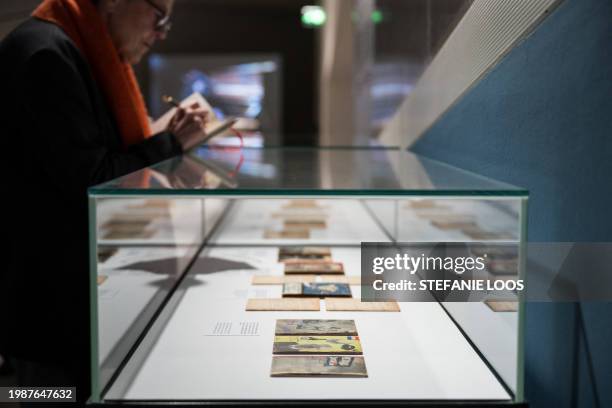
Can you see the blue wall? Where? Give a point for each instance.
(542, 119)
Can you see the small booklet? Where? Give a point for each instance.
(315, 327)
(314, 268)
(316, 289)
(287, 234)
(214, 125)
(356, 305)
(502, 305)
(302, 203)
(304, 253)
(298, 223)
(330, 366)
(317, 345)
(286, 304)
(281, 279)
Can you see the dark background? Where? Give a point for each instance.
(247, 27)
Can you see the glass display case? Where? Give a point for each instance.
(193, 261)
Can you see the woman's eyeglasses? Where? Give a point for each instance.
(162, 20)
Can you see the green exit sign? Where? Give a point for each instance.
(313, 16)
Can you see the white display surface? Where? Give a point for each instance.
(417, 353)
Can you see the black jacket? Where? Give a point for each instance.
(59, 138)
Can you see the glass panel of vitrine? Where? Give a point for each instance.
(142, 247)
(304, 171)
(421, 342)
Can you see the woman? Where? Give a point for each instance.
(72, 117)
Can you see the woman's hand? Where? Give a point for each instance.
(188, 125)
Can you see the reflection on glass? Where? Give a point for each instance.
(307, 170)
(423, 27)
(143, 247)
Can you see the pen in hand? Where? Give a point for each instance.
(170, 101)
(187, 124)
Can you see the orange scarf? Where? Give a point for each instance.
(82, 22)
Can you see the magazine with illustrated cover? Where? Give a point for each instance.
(317, 345)
(333, 366)
(315, 327)
(326, 289)
(316, 289)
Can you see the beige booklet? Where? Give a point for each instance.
(314, 366)
(356, 305)
(214, 126)
(285, 304)
(281, 279)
